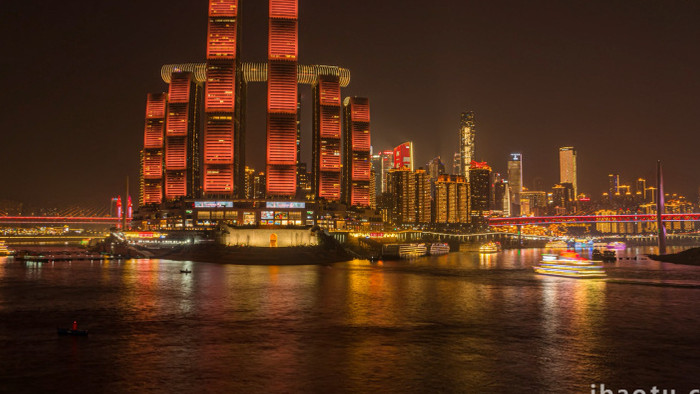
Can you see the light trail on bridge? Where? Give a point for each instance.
(592, 219)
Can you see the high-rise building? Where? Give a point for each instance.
(435, 168)
(382, 163)
(563, 197)
(326, 138)
(613, 185)
(479, 188)
(467, 133)
(220, 99)
(356, 168)
(641, 189)
(403, 156)
(457, 164)
(536, 203)
(182, 137)
(451, 200)
(282, 98)
(304, 183)
(152, 169)
(373, 189)
(423, 197)
(249, 183)
(402, 187)
(515, 180)
(259, 186)
(567, 166)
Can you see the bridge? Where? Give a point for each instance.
(59, 220)
(592, 219)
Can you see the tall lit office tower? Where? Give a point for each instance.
(282, 98)
(435, 168)
(326, 138)
(153, 148)
(479, 188)
(381, 164)
(567, 167)
(613, 185)
(403, 156)
(220, 98)
(457, 164)
(515, 179)
(357, 152)
(181, 139)
(641, 189)
(467, 131)
(401, 184)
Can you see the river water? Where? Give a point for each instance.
(464, 322)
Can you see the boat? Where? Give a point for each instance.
(403, 251)
(3, 249)
(490, 247)
(583, 243)
(616, 246)
(439, 248)
(68, 331)
(185, 271)
(605, 256)
(407, 251)
(570, 265)
(556, 245)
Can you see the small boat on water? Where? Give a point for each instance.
(556, 245)
(439, 248)
(570, 265)
(68, 331)
(3, 249)
(605, 256)
(616, 245)
(490, 247)
(185, 271)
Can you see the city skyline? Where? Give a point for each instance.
(606, 110)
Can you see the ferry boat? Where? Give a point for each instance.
(407, 251)
(439, 248)
(404, 251)
(3, 249)
(616, 246)
(570, 265)
(491, 247)
(556, 245)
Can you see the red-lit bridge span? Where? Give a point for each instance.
(58, 220)
(592, 219)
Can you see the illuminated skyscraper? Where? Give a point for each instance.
(220, 99)
(326, 138)
(457, 164)
(467, 132)
(182, 137)
(423, 197)
(567, 166)
(153, 144)
(356, 168)
(382, 163)
(403, 156)
(435, 168)
(515, 179)
(402, 186)
(451, 200)
(479, 188)
(282, 98)
(613, 185)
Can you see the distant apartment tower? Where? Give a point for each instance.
(451, 200)
(515, 179)
(356, 168)
(457, 164)
(641, 189)
(382, 164)
(567, 167)
(467, 132)
(153, 148)
(326, 138)
(403, 156)
(282, 98)
(423, 197)
(402, 187)
(220, 100)
(249, 181)
(479, 188)
(435, 168)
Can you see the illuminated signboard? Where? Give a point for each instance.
(285, 204)
(267, 215)
(213, 204)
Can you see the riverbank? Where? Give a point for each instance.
(686, 257)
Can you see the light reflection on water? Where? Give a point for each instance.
(460, 322)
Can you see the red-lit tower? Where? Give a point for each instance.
(282, 98)
(326, 138)
(153, 148)
(356, 168)
(220, 98)
(181, 151)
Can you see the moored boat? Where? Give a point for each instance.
(407, 251)
(556, 245)
(3, 249)
(439, 248)
(490, 247)
(569, 264)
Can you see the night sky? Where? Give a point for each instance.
(619, 80)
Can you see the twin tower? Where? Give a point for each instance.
(194, 138)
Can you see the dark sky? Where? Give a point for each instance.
(619, 80)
